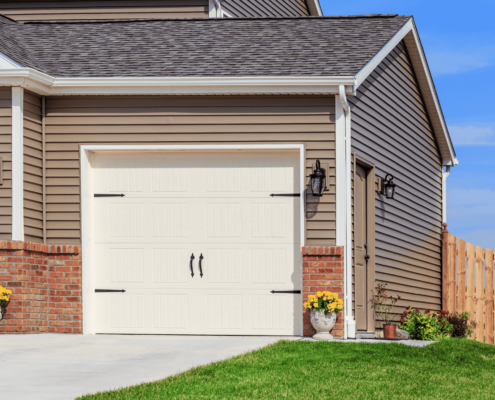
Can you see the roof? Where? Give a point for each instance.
(282, 46)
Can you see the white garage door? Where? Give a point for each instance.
(216, 207)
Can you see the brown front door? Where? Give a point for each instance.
(360, 250)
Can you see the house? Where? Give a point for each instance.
(173, 156)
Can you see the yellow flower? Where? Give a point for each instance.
(315, 304)
(318, 294)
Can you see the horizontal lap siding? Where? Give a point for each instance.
(270, 8)
(83, 10)
(391, 128)
(6, 155)
(33, 169)
(71, 121)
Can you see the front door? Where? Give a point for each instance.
(197, 243)
(360, 249)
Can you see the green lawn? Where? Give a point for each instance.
(450, 369)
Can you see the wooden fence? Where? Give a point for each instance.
(467, 283)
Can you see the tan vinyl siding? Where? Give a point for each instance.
(33, 169)
(391, 128)
(72, 121)
(110, 9)
(269, 8)
(6, 155)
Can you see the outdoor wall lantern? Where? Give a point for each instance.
(388, 187)
(318, 180)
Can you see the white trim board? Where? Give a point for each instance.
(17, 163)
(44, 84)
(86, 152)
(8, 63)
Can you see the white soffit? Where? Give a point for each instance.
(409, 34)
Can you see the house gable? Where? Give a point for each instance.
(391, 128)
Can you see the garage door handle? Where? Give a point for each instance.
(200, 269)
(109, 291)
(191, 265)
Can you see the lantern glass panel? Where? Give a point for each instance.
(316, 186)
(390, 192)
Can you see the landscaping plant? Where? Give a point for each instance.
(324, 301)
(384, 304)
(462, 327)
(4, 297)
(427, 325)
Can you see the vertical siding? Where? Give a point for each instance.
(6, 155)
(391, 128)
(33, 169)
(110, 9)
(270, 8)
(71, 121)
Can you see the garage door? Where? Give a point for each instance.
(197, 243)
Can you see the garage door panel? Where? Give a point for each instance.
(215, 205)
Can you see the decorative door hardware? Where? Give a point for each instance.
(109, 195)
(109, 291)
(286, 291)
(191, 265)
(200, 269)
(366, 256)
(287, 194)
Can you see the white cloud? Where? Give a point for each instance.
(443, 62)
(470, 209)
(470, 135)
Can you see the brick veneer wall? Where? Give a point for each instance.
(46, 284)
(323, 269)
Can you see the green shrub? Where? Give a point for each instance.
(427, 325)
(462, 326)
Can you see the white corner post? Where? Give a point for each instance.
(344, 201)
(17, 163)
(215, 9)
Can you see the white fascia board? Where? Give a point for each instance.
(314, 5)
(17, 163)
(212, 10)
(46, 85)
(384, 52)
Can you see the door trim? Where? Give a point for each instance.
(87, 199)
(370, 231)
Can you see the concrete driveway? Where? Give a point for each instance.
(63, 367)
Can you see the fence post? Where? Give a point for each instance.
(445, 267)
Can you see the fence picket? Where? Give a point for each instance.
(461, 288)
(488, 296)
(451, 276)
(470, 281)
(480, 295)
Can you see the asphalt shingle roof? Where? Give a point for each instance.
(307, 46)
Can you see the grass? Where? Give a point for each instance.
(450, 369)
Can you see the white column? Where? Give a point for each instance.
(340, 173)
(17, 163)
(445, 175)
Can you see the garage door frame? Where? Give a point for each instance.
(87, 200)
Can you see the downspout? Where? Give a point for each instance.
(350, 323)
(445, 175)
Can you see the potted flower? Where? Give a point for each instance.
(4, 300)
(323, 308)
(384, 305)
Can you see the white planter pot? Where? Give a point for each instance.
(323, 324)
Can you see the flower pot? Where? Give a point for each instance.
(389, 331)
(323, 324)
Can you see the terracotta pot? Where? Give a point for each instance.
(389, 331)
(323, 324)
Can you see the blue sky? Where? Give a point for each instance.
(459, 41)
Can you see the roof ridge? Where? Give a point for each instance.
(108, 21)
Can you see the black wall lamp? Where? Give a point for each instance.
(318, 180)
(388, 187)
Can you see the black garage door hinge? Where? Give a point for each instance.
(286, 291)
